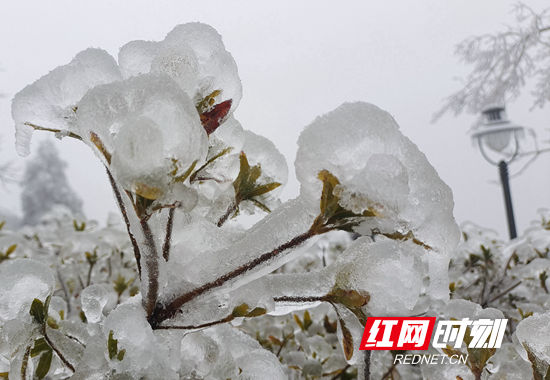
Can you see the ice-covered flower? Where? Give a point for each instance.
(194, 56)
(146, 128)
(50, 101)
(174, 93)
(378, 169)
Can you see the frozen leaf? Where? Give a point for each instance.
(112, 346)
(37, 311)
(212, 119)
(44, 364)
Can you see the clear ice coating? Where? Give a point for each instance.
(49, 102)
(93, 299)
(146, 119)
(193, 55)
(378, 167)
(21, 281)
(533, 334)
(150, 127)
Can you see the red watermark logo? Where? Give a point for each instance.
(397, 333)
(414, 333)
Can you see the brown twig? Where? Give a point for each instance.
(339, 373)
(230, 210)
(300, 299)
(25, 362)
(286, 338)
(64, 289)
(124, 213)
(39, 128)
(389, 372)
(59, 354)
(152, 265)
(229, 318)
(168, 236)
(503, 293)
(172, 307)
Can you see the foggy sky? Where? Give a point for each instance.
(297, 60)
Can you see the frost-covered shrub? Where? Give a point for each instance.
(164, 301)
(509, 278)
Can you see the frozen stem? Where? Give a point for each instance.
(301, 299)
(168, 236)
(152, 265)
(172, 307)
(39, 128)
(230, 210)
(57, 351)
(227, 319)
(124, 213)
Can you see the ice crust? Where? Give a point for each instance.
(49, 101)
(193, 55)
(377, 167)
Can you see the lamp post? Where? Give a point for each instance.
(498, 140)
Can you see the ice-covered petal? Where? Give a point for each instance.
(159, 128)
(391, 272)
(533, 332)
(21, 281)
(49, 102)
(362, 146)
(135, 57)
(194, 56)
(261, 151)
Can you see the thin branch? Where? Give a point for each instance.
(286, 338)
(66, 133)
(366, 370)
(124, 213)
(25, 363)
(168, 236)
(173, 306)
(89, 276)
(152, 265)
(229, 318)
(65, 291)
(503, 293)
(389, 372)
(59, 354)
(300, 299)
(230, 210)
(339, 373)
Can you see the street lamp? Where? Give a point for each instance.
(499, 140)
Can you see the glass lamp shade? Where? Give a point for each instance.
(498, 140)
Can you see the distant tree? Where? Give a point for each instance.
(503, 62)
(45, 185)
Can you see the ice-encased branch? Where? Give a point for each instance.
(120, 202)
(172, 307)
